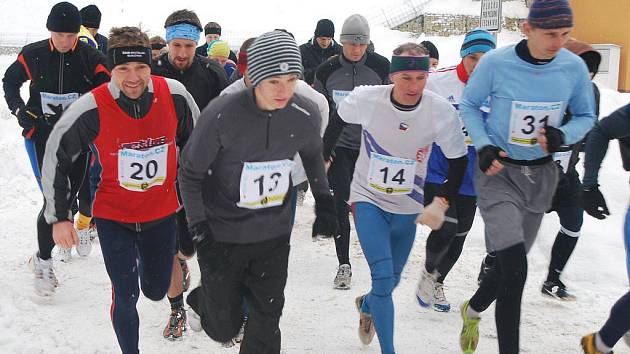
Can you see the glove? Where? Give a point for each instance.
(201, 234)
(593, 202)
(27, 119)
(433, 214)
(555, 138)
(51, 119)
(486, 155)
(326, 223)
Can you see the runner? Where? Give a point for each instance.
(445, 245)
(319, 48)
(335, 78)
(530, 84)
(133, 125)
(400, 122)
(212, 31)
(239, 213)
(91, 20)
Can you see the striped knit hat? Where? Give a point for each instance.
(550, 14)
(272, 54)
(477, 40)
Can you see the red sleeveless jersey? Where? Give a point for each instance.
(137, 158)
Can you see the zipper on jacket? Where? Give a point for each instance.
(60, 72)
(136, 110)
(354, 74)
(268, 124)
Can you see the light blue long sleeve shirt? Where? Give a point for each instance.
(522, 97)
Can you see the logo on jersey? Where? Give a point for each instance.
(144, 144)
(422, 153)
(403, 127)
(451, 99)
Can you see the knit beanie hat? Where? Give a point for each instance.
(91, 16)
(325, 28)
(550, 14)
(433, 51)
(64, 17)
(271, 54)
(476, 41)
(355, 30)
(218, 48)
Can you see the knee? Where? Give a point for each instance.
(155, 292)
(438, 240)
(125, 297)
(383, 278)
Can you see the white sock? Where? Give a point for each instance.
(470, 313)
(599, 343)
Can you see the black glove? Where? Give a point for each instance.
(593, 202)
(325, 217)
(555, 138)
(201, 234)
(27, 119)
(51, 119)
(486, 155)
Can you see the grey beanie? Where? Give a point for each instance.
(355, 30)
(271, 54)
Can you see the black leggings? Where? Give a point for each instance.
(504, 283)
(339, 178)
(444, 246)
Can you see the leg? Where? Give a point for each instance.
(340, 177)
(29, 145)
(617, 324)
(373, 228)
(264, 282)
(439, 240)
(176, 288)
(571, 223)
(119, 252)
(156, 248)
(85, 199)
(627, 241)
(466, 207)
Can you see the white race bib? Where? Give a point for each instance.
(55, 99)
(339, 96)
(391, 175)
(139, 170)
(562, 158)
(264, 184)
(527, 118)
(467, 137)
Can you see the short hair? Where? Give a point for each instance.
(127, 37)
(414, 48)
(248, 42)
(157, 40)
(183, 16)
(211, 25)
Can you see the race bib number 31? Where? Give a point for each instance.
(391, 175)
(527, 118)
(139, 170)
(264, 184)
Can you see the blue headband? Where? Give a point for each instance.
(183, 31)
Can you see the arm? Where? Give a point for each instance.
(477, 90)
(582, 107)
(98, 65)
(186, 110)
(15, 76)
(451, 140)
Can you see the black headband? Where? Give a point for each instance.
(213, 30)
(157, 46)
(121, 55)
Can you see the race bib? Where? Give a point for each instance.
(339, 96)
(391, 175)
(139, 170)
(56, 100)
(467, 137)
(264, 184)
(527, 118)
(562, 158)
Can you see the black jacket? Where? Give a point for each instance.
(204, 79)
(79, 70)
(203, 51)
(102, 43)
(233, 130)
(313, 56)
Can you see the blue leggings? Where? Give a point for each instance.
(128, 255)
(32, 156)
(627, 241)
(386, 240)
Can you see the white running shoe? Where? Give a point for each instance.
(241, 332)
(426, 288)
(440, 304)
(85, 243)
(626, 338)
(343, 279)
(194, 321)
(93, 232)
(45, 279)
(300, 197)
(64, 255)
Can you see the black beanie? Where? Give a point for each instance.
(325, 28)
(433, 52)
(91, 16)
(64, 17)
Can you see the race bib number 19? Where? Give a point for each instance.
(527, 118)
(391, 175)
(139, 170)
(264, 184)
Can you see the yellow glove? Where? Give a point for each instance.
(433, 214)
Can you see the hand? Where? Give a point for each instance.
(27, 119)
(326, 223)
(433, 214)
(593, 202)
(64, 234)
(551, 139)
(488, 158)
(51, 119)
(201, 234)
(327, 165)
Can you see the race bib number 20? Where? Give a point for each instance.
(139, 170)
(264, 184)
(527, 118)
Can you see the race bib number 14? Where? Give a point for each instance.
(139, 170)
(264, 184)
(527, 118)
(391, 175)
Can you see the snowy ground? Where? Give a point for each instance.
(317, 319)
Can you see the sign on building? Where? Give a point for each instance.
(490, 18)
